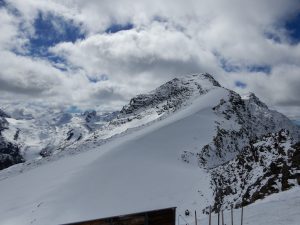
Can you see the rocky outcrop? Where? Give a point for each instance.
(171, 95)
(9, 152)
(267, 165)
(3, 114)
(240, 122)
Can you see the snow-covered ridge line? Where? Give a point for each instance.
(52, 133)
(240, 120)
(119, 125)
(154, 153)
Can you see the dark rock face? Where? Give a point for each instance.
(9, 152)
(268, 165)
(172, 92)
(90, 116)
(241, 122)
(47, 151)
(171, 95)
(211, 79)
(3, 114)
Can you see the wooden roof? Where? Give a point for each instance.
(164, 216)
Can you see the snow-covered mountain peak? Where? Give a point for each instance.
(172, 94)
(189, 143)
(90, 115)
(251, 98)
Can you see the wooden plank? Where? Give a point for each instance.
(155, 217)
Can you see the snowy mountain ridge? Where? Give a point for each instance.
(183, 144)
(239, 122)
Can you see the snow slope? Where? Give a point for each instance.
(136, 172)
(278, 209)
(148, 156)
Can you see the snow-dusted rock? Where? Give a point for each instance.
(241, 121)
(9, 152)
(268, 165)
(189, 143)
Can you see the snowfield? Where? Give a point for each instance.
(278, 209)
(139, 171)
(145, 158)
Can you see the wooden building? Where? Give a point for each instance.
(165, 216)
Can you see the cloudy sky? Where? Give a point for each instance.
(96, 54)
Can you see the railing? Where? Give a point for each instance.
(220, 218)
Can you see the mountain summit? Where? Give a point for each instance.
(189, 143)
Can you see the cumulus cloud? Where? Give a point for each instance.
(165, 39)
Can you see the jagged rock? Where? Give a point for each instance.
(9, 152)
(266, 166)
(241, 121)
(4, 114)
(171, 95)
(90, 116)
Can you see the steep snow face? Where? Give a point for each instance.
(151, 154)
(141, 170)
(51, 133)
(238, 122)
(268, 165)
(159, 103)
(154, 106)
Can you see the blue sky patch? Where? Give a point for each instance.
(51, 30)
(2, 3)
(293, 28)
(99, 78)
(119, 27)
(240, 84)
(225, 64)
(259, 68)
(229, 67)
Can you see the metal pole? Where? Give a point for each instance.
(219, 217)
(222, 218)
(231, 215)
(209, 215)
(195, 217)
(242, 215)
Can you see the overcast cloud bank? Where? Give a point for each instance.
(98, 54)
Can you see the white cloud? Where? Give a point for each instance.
(169, 38)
